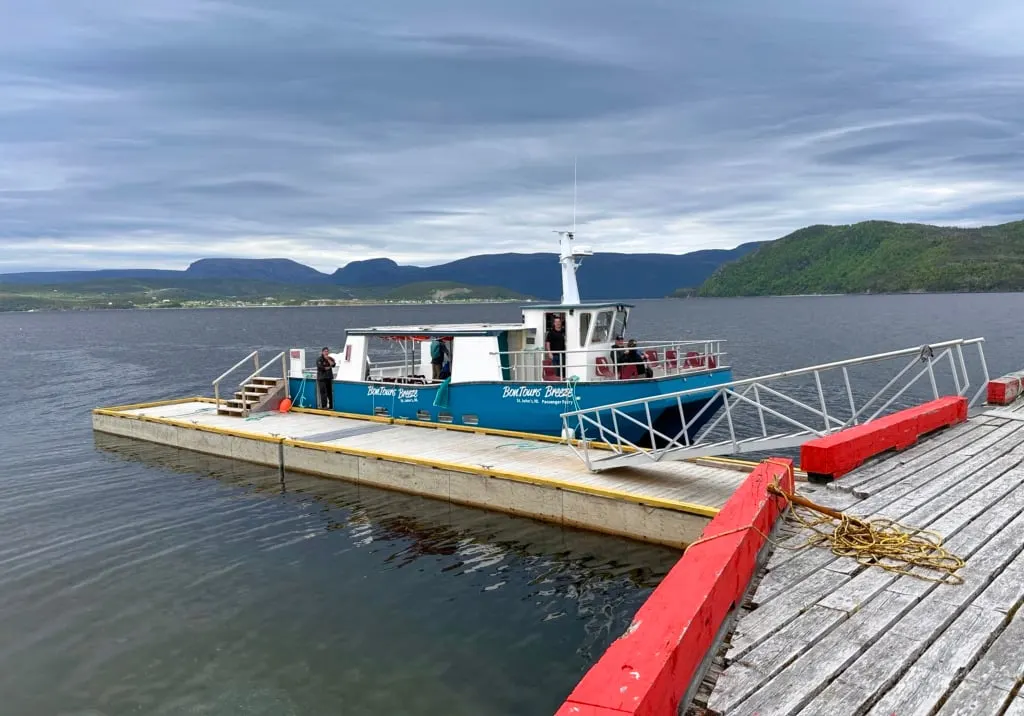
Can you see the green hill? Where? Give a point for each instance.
(878, 257)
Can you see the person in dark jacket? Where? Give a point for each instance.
(635, 357)
(325, 379)
(554, 344)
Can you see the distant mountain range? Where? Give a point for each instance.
(878, 257)
(603, 276)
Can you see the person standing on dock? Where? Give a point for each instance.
(325, 379)
(554, 344)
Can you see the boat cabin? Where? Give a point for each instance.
(510, 352)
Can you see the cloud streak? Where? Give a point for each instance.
(161, 133)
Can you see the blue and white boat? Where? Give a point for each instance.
(502, 377)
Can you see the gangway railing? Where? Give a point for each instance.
(770, 412)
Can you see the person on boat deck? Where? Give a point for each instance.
(325, 379)
(618, 354)
(554, 344)
(438, 356)
(634, 357)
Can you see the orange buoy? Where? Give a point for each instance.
(285, 405)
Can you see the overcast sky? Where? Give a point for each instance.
(154, 132)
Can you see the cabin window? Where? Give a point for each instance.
(602, 327)
(444, 417)
(584, 327)
(423, 415)
(470, 419)
(619, 327)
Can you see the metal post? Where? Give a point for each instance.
(760, 411)
(849, 394)
(952, 367)
(931, 377)
(728, 416)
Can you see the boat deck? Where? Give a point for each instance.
(825, 635)
(692, 492)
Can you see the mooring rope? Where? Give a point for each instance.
(877, 542)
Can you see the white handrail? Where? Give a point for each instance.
(784, 374)
(803, 417)
(255, 355)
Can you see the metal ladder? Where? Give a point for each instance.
(770, 412)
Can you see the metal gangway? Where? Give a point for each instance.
(772, 412)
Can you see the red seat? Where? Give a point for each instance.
(693, 360)
(651, 357)
(628, 371)
(670, 358)
(549, 370)
(602, 368)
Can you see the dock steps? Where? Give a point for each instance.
(252, 396)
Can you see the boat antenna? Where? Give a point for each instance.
(574, 195)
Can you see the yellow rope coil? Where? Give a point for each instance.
(878, 542)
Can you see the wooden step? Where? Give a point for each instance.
(267, 380)
(261, 389)
(230, 410)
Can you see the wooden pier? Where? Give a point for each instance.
(826, 635)
(517, 473)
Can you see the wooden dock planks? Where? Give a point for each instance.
(879, 643)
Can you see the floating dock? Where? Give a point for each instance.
(522, 474)
(756, 622)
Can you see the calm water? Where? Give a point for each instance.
(140, 579)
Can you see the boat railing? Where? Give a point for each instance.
(254, 356)
(663, 358)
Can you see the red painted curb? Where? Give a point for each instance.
(647, 670)
(1005, 390)
(837, 454)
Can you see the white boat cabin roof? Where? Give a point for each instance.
(442, 330)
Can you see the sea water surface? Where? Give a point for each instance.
(139, 579)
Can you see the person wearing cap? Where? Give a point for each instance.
(325, 379)
(633, 356)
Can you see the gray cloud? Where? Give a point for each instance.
(154, 135)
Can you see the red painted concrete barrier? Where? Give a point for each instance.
(837, 454)
(647, 670)
(1005, 390)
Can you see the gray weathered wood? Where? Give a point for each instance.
(857, 591)
(924, 686)
(955, 494)
(974, 699)
(871, 675)
(949, 470)
(782, 647)
(802, 680)
(1016, 707)
(897, 644)
(914, 456)
(759, 623)
(1006, 592)
(778, 580)
(1002, 665)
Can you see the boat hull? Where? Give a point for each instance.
(523, 407)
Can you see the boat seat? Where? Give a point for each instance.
(602, 368)
(652, 359)
(670, 358)
(549, 371)
(628, 371)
